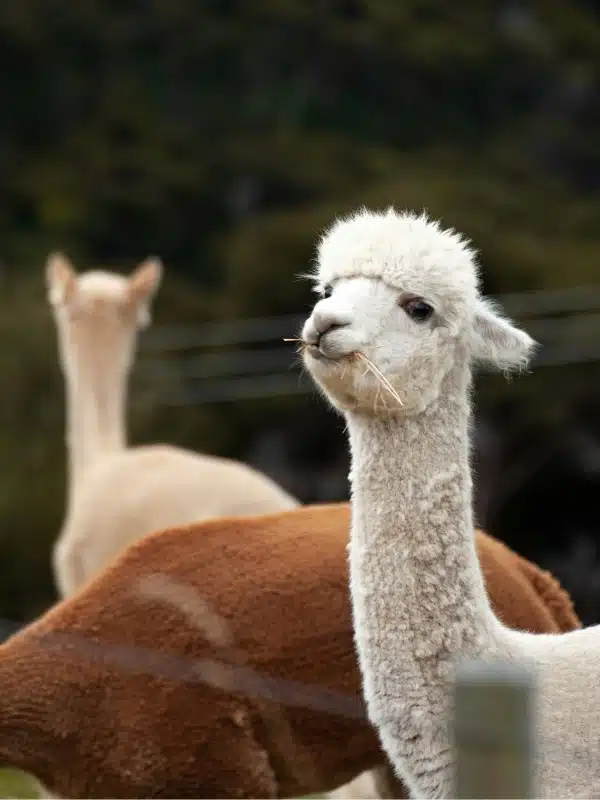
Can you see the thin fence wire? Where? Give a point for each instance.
(566, 322)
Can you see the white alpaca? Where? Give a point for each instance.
(117, 494)
(404, 292)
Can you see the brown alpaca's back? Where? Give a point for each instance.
(215, 660)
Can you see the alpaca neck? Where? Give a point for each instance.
(95, 419)
(418, 594)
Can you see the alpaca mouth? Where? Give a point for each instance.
(315, 351)
(326, 356)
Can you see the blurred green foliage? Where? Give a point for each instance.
(224, 135)
(16, 784)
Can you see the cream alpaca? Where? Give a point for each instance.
(116, 493)
(405, 293)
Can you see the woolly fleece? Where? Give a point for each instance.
(105, 695)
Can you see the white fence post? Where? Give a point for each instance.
(493, 730)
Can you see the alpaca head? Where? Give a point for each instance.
(403, 292)
(98, 313)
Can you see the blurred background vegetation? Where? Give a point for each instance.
(222, 136)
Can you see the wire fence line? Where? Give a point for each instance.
(174, 363)
(521, 304)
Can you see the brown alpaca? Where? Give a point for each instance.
(117, 494)
(217, 660)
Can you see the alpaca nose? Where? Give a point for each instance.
(322, 321)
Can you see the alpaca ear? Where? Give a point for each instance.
(143, 285)
(145, 280)
(496, 341)
(61, 279)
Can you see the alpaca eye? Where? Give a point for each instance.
(418, 309)
(327, 291)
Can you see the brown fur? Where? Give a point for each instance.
(139, 685)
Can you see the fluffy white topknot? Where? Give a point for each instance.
(410, 252)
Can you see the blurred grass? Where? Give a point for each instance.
(16, 784)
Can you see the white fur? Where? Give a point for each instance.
(117, 493)
(402, 250)
(418, 594)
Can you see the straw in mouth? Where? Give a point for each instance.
(380, 376)
(368, 363)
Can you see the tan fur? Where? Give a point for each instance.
(117, 494)
(217, 660)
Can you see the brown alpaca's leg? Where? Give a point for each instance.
(236, 764)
